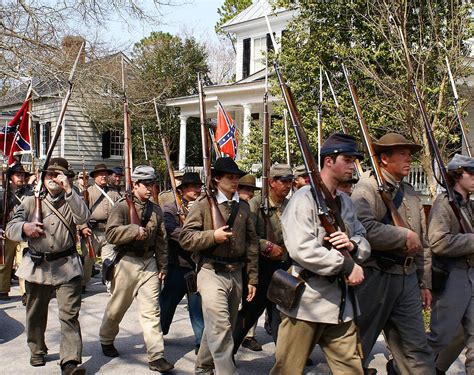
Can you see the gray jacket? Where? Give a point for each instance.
(56, 238)
(303, 236)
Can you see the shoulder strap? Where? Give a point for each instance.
(397, 202)
(62, 218)
(233, 214)
(97, 202)
(147, 212)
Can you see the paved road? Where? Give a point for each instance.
(179, 345)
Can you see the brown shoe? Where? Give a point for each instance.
(37, 360)
(161, 365)
(71, 368)
(4, 296)
(252, 344)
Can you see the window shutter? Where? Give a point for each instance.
(270, 46)
(246, 58)
(106, 144)
(37, 138)
(47, 140)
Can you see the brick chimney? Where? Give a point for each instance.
(71, 44)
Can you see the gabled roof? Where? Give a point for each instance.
(254, 11)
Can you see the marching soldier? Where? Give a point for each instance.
(453, 255)
(101, 201)
(180, 263)
(18, 189)
(323, 315)
(390, 298)
(221, 255)
(52, 264)
(272, 255)
(167, 196)
(141, 267)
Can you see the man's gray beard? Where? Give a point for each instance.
(53, 187)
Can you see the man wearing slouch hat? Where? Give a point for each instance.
(52, 264)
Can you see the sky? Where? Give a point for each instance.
(197, 17)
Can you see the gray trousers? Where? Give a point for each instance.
(68, 296)
(391, 303)
(221, 294)
(454, 306)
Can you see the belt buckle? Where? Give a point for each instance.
(408, 262)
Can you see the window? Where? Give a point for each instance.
(259, 53)
(112, 143)
(246, 58)
(42, 138)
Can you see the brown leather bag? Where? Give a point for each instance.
(285, 289)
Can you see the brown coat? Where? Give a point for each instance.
(387, 237)
(198, 235)
(445, 235)
(119, 232)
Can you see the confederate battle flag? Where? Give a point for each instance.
(15, 136)
(226, 132)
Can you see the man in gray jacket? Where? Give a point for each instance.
(453, 254)
(52, 264)
(323, 314)
(396, 284)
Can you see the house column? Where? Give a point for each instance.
(247, 119)
(182, 142)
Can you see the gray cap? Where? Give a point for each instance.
(281, 171)
(143, 173)
(300, 170)
(461, 162)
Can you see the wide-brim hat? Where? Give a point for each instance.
(17, 168)
(100, 168)
(340, 143)
(249, 180)
(227, 165)
(190, 178)
(58, 165)
(391, 140)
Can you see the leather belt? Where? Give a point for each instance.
(48, 256)
(392, 259)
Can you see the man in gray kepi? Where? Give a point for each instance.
(52, 264)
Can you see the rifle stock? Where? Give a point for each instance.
(127, 145)
(217, 219)
(329, 217)
(435, 152)
(166, 151)
(381, 183)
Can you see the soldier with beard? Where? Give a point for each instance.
(52, 264)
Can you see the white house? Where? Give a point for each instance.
(243, 99)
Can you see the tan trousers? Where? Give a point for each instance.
(6, 268)
(221, 294)
(297, 339)
(101, 248)
(135, 277)
(18, 258)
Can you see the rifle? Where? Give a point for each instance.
(166, 151)
(320, 115)
(127, 151)
(265, 205)
(435, 152)
(216, 216)
(85, 197)
(37, 215)
(359, 169)
(381, 182)
(328, 211)
(456, 110)
(154, 190)
(3, 219)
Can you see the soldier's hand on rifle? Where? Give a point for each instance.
(162, 276)
(142, 234)
(33, 230)
(340, 240)
(86, 232)
(357, 275)
(413, 243)
(221, 236)
(62, 180)
(426, 298)
(251, 294)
